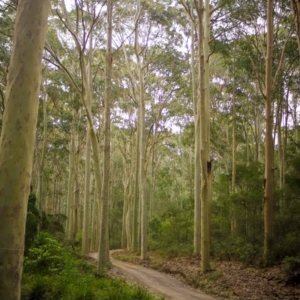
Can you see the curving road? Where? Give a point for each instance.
(157, 282)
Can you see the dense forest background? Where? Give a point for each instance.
(121, 118)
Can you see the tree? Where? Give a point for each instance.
(18, 138)
(103, 258)
(203, 12)
(269, 146)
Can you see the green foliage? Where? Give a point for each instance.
(246, 243)
(46, 255)
(53, 272)
(238, 248)
(172, 233)
(287, 222)
(80, 287)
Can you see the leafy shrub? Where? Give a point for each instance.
(222, 250)
(178, 250)
(239, 249)
(172, 233)
(47, 255)
(154, 227)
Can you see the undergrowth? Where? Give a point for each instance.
(53, 271)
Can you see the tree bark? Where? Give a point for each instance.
(18, 138)
(135, 204)
(233, 179)
(126, 182)
(197, 174)
(269, 146)
(204, 107)
(43, 154)
(87, 184)
(103, 258)
(70, 183)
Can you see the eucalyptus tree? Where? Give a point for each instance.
(52, 143)
(80, 26)
(103, 257)
(87, 183)
(201, 21)
(43, 151)
(146, 81)
(141, 132)
(16, 154)
(269, 178)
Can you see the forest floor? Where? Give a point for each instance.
(231, 280)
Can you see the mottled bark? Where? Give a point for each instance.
(18, 139)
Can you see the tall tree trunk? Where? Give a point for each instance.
(295, 118)
(70, 183)
(281, 156)
(153, 172)
(135, 204)
(206, 167)
(233, 180)
(197, 174)
(142, 142)
(75, 192)
(103, 258)
(87, 183)
(18, 139)
(269, 147)
(94, 140)
(86, 203)
(142, 176)
(93, 214)
(43, 154)
(126, 182)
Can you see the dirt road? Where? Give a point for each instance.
(157, 282)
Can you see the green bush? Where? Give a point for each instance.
(47, 255)
(172, 233)
(237, 248)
